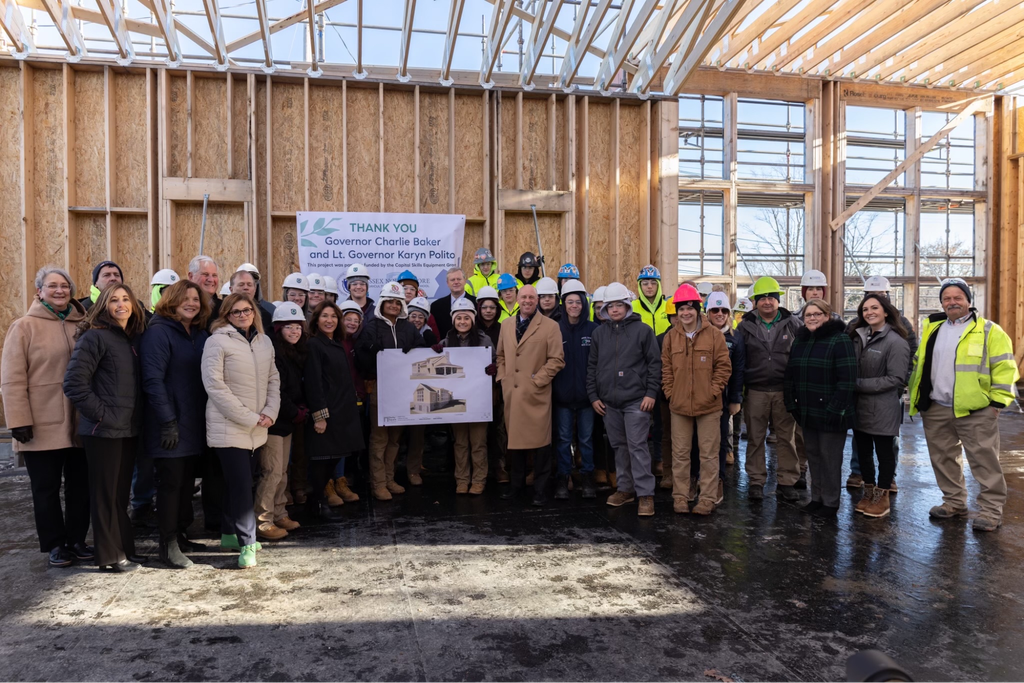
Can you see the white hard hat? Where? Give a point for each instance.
(599, 294)
(463, 305)
(876, 283)
(486, 292)
(617, 291)
(744, 305)
(814, 278)
(288, 312)
(316, 282)
(705, 288)
(573, 286)
(330, 285)
(249, 268)
(226, 289)
(164, 277)
(392, 290)
(350, 307)
(422, 304)
(718, 300)
(357, 270)
(546, 285)
(296, 281)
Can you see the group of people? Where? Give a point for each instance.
(610, 390)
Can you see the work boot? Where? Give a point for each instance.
(788, 493)
(415, 480)
(529, 479)
(342, 489)
(680, 506)
(665, 483)
(826, 512)
(811, 506)
(333, 499)
(658, 469)
(299, 497)
(331, 514)
(288, 500)
(270, 531)
(461, 488)
(562, 489)
(620, 498)
(947, 511)
(986, 524)
(866, 500)
(381, 493)
(801, 483)
(394, 487)
(600, 477)
(613, 480)
(171, 555)
(854, 481)
(503, 477)
(704, 507)
(588, 489)
(476, 488)
(730, 457)
(694, 485)
(892, 489)
(646, 507)
(247, 557)
(879, 505)
(721, 492)
(511, 493)
(287, 523)
(756, 492)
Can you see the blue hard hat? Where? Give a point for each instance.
(506, 281)
(408, 275)
(569, 271)
(649, 272)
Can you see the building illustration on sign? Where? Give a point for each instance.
(437, 367)
(428, 399)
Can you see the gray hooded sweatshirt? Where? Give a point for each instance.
(624, 365)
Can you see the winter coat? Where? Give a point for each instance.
(767, 350)
(357, 376)
(525, 370)
(478, 280)
(441, 309)
(172, 386)
(379, 334)
(652, 311)
(820, 378)
(104, 381)
(493, 331)
(695, 372)
(290, 366)
(883, 366)
(624, 364)
(911, 335)
(242, 382)
(36, 352)
(738, 360)
(329, 387)
(453, 340)
(570, 385)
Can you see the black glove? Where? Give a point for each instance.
(169, 435)
(437, 348)
(406, 349)
(22, 434)
(491, 369)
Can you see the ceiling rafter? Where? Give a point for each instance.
(13, 23)
(454, 19)
(860, 27)
(576, 50)
(264, 18)
(1001, 62)
(616, 57)
(114, 19)
(216, 32)
(314, 66)
(682, 36)
(281, 24)
(768, 44)
(980, 44)
(60, 12)
(744, 37)
(403, 47)
(795, 48)
(501, 16)
(164, 19)
(538, 39)
(687, 63)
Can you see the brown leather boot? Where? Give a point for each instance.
(381, 493)
(342, 489)
(462, 488)
(287, 523)
(866, 500)
(600, 477)
(268, 531)
(879, 506)
(477, 488)
(645, 507)
(333, 499)
(394, 487)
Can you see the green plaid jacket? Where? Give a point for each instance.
(821, 377)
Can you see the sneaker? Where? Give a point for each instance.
(879, 505)
(342, 489)
(476, 488)
(620, 498)
(61, 557)
(462, 488)
(247, 557)
(694, 486)
(680, 506)
(381, 493)
(854, 481)
(646, 506)
(82, 552)
(986, 524)
(394, 487)
(801, 483)
(704, 507)
(721, 492)
(788, 493)
(287, 523)
(866, 500)
(415, 480)
(756, 492)
(332, 498)
(947, 511)
(270, 531)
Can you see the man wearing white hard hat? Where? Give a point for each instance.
(265, 305)
(161, 280)
(357, 282)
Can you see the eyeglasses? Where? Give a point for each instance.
(718, 310)
(241, 313)
(808, 314)
(58, 288)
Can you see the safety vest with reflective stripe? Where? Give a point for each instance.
(986, 371)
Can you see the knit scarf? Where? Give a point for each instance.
(60, 314)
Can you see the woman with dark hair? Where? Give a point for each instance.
(487, 321)
(103, 381)
(175, 400)
(352, 323)
(883, 363)
(333, 432)
(244, 388)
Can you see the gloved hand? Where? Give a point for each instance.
(540, 260)
(491, 369)
(169, 435)
(436, 348)
(406, 349)
(301, 416)
(22, 434)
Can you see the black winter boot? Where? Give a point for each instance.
(589, 489)
(171, 555)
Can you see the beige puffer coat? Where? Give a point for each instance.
(241, 382)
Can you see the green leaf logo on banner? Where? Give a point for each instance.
(307, 243)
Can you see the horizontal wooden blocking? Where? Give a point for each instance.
(219, 189)
(544, 201)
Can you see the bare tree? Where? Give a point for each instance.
(943, 259)
(775, 244)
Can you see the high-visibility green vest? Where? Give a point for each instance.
(656, 319)
(505, 312)
(986, 370)
(478, 281)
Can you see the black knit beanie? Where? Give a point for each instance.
(103, 264)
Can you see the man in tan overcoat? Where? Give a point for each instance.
(529, 357)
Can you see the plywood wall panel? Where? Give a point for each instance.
(260, 172)
(399, 151)
(287, 137)
(177, 140)
(434, 150)
(363, 149)
(474, 237)
(240, 129)
(91, 244)
(130, 135)
(536, 144)
(469, 156)
(600, 176)
(560, 146)
(520, 236)
(48, 163)
(507, 140)
(224, 240)
(131, 252)
(90, 152)
(286, 254)
(326, 154)
(12, 295)
(210, 132)
(633, 209)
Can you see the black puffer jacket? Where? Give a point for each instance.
(379, 334)
(329, 386)
(290, 366)
(104, 382)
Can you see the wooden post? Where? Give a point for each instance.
(912, 221)
(485, 174)
(827, 125)
(617, 174)
(28, 194)
(269, 122)
(252, 224)
(665, 199)
(190, 136)
(380, 139)
(451, 152)
(416, 146)
(519, 140)
(229, 95)
(109, 117)
(583, 194)
(569, 180)
(70, 193)
(730, 195)
(152, 171)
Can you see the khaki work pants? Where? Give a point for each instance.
(270, 497)
(414, 454)
(976, 434)
(471, 438)
(383, 448)
(760, 407)
(709, 438)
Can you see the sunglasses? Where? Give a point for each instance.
(718, 310)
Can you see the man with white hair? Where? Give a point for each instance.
(202, 270)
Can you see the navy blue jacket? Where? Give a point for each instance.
(738, 357)
(172, 383)
(570, 384)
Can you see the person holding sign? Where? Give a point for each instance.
(388, 329)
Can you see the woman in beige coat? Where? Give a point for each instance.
(243, 387)
(36, 352)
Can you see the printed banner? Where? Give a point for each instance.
(426, 387)
(386, 243)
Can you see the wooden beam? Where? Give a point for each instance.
(451, 35)
(70, 173)
(682, 36)
(617, 54)
(314, 68)
(197, 39)
(734, 45)
(223, 190)
(959, 71)
(795, 48)
(216, 32)
(760, 51)
(109, 165)
(282, 24)
(577, 50)
(165, 22)
(539, 36)
(500, 18)
(26, 106)
(686, 64)
(1007, 72)
(114, 19)
(911, 159)
(533, 20)
(261, 12)
(403, 46)
(64, 23)
(876, 16)
(13, 23)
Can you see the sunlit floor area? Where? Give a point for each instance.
(437, 587)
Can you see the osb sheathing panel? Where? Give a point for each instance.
(261, 172)
(326, 154)
(560, 146)
(224, 241)
(363, 149)
(399, 151)
(287, 135)
(469, 157)
(520, 236)
(632, 188)
(536, 156)
(90, 152)
(507, 114)
(177, 140)
(474, 237)
(210, 133)
(240, 129)
(600, 176)
(48, 161)
(434, 182)
(12, 294)
(286, 254)
(91, 244)
(129, 171)
(131, 251)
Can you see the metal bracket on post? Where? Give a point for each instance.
(540, 249)
(202, 230)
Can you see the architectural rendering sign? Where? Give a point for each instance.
(426, 387)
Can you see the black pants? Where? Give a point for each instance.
(321, 472)
(209, 469)
(55, 526)
(884, 447)
(541, 467)
(111, 463)
(238, 465)
(176, 480)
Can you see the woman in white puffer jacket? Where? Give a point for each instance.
(243, 387)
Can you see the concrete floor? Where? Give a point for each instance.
(438, 587)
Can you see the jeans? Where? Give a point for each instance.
(143, 480)
(584, 417)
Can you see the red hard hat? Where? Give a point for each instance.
(687, 293)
